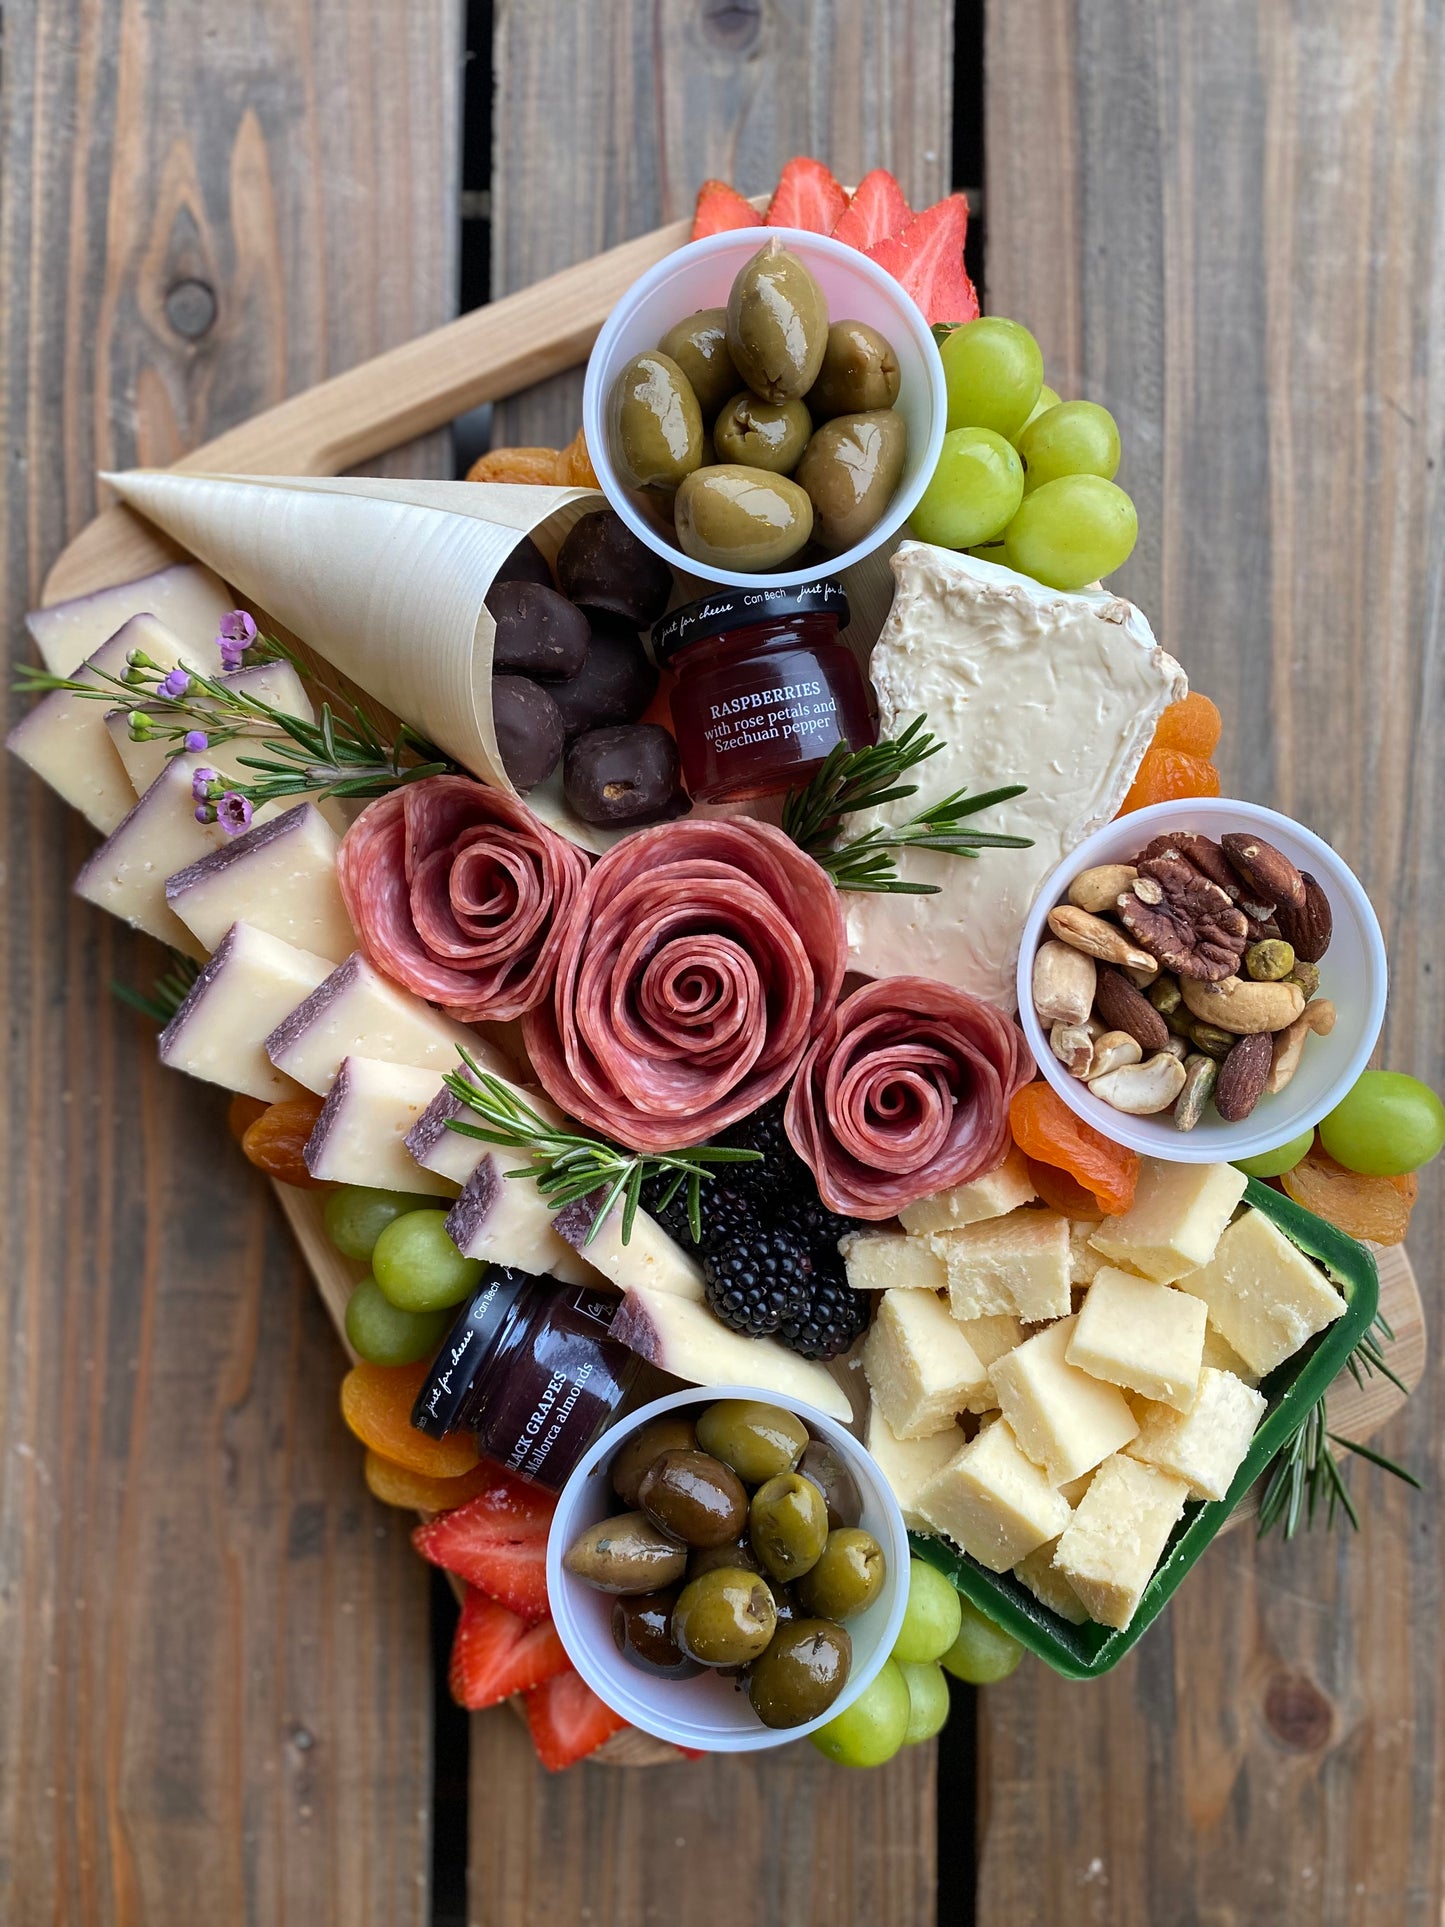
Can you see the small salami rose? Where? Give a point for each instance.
(905, 1093)
(699, 963)
(460, 893)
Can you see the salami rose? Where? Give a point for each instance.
(699, 963)
(460, 893)
(905, 1092)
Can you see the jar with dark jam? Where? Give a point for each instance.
(529, 1368)
(765, 688)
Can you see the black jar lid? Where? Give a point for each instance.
(728, 609)
(442, 1402)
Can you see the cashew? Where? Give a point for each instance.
(1289, 1044)
(1243, 1007)
(1063, 984)
(1141, 979)
(1113, 1051)
(1098, 889)
(1142, 1089)
(1178, 1046)
(1099, 939)
(1074, 1048)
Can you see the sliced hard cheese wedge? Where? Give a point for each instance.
(186, 597)
(505, 1220)
(279, 877)
(682, 1337)
(127, 874)
(64, 738)
(360, 1136)
(649, 1261)
(220, 1030)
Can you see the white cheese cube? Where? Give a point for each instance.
(127, 874)
(1263, 1293)
(1066, 1420)
(1219, 1353)
(279, 877)
(992, 1336)
(992, 1501)
(219, 1031)
(1018, 1264)
(1175, 1221)
(1084, 1261)
(680, 1336)
(1003, 1189)
(1049, 1586)
(887, 1261)
(360, 1136)
(1074, 1489)
(1206, 1445)
(649, 1261)
(908, 1464)
(1146, 1337)
(1110, 1547)
(359, 1013)
(920, 1368)
(185, 596)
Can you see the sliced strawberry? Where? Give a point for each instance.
(568, 1721)
(496, 1654)
(497, 1542)
(720, 207)
(807, 196)
(876, 210)
(927, 259)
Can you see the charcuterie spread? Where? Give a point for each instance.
(927, 1086)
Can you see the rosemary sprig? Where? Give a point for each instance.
(168, 992)
(863, 779)
(1305, 1477)
(566, 1166)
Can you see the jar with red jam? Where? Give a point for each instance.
(529, 1368)
(766, 688)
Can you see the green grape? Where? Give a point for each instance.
(1069, 533)
(974, 493)
(382, 1335)
(931, 1617)
(991, 552)
(1076, 438)
(994, 372)
(983, 1653)
(1048, 398)
(873, 1728)
(927, 1685)
(417, 1265)
(356, 1218)
(1274, 1164)
(1388, 1124)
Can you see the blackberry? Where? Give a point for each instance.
(671, 1216)
(755, 1281)
(815, 1227)
(833, 1318)
(781, 1169)
(728, 1212)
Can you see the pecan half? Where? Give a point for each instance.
(1243, 1076)
(1193, 929)
(1269, 876)
(1203, 852)
(1310, 928)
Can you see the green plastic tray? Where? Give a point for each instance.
(1084, 1652)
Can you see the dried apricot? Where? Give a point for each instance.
(397, 1484)
(241, 1114)
(574, 464)
(1046, 1129)
(1374, 1208)
(1166, 774)
(376, 1402)
(275, 1142)
(534, 465)
(1193, 724)
(1061, 1191)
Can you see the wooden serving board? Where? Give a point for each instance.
(410, 391)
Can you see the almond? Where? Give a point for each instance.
(1122, 1007)
(1242, 1077)
(1310, 925)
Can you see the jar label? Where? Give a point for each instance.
(801, 712)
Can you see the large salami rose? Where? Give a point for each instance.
(460, 893)
(905, 1092)
(699, 963)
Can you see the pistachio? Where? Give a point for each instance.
(1074, 1048)
(1238, 1005)
(1112, 1051)
(1098, 890)
(1063, 984)
(1199, 1076)
(1288, 1045)
(1269, 962)
(1165, 995)
(1307, 976)
(1096, 938)
(1210, 1039)
(1242, 1077)
(1142, 1089)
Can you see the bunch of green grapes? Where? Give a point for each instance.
(1024, 478)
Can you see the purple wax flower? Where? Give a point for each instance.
(175, 684)
(204, 813)
(237, 633)
(233, 813)
(197, 739)
(201, 783)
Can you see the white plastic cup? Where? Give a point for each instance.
(1353, 974)
(700, 275)
(708, 1713)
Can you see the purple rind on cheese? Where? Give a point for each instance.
(633, 1326)
(431, 1127)
(257, 838)
(336, 1101)
(574, 1221)
(297, 1022)
(170, 1037)
(480, 1197)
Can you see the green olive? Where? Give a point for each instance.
(699, 346)
(788, 1525)
(703, 1559)
(850, 469)
(724, 1618)
(625, 1554)
(825, 1465)
(860, 370)
(656, 423)
(671, 1433)
(762, 434)
(802, 1672)
(758, 1441)
(741, 518)
(695, 1497)
(848, 1577)
(777, 324)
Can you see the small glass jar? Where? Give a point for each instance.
(529, 1368)
(765, 688)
